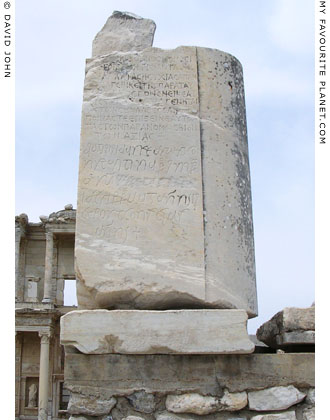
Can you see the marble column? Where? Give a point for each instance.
(18, 365)
(48, 268)
(21, 223)
(18, 235)
(43, 376)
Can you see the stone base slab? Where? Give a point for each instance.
(116, 374)
(157, 332)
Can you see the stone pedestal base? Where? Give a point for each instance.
(194, 387)
(157, 332)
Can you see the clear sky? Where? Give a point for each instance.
(274, 41)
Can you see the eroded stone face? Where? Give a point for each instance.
(124, 31)
(164, 206)
(276, 398)
(309, 413)
(288, 415)
(156, 332)
(90, 405)
(289, 327)
(174, 374)
(202, 405)
(142, 401)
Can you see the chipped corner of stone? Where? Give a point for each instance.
(124, 32)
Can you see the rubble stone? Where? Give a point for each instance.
(133, 418)
(276, 398)
(93, 406)
(142, 401)
(199, 404)
(192, 403)
(288, 415)
(309, 413)
(310, 398)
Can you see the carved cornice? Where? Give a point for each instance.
(42, 331)
(68, 215)
(21, 223)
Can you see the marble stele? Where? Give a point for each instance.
(164, 218)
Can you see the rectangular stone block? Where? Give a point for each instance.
(296, 338)
(124, 374)
(157, 332)
(291, 326)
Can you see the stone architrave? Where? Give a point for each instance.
(211, 331)
(164, 215)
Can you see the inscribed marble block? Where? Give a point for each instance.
(164, 216)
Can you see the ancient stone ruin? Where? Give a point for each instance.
(164, 187)
(164, 253)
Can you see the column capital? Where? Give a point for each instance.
(18, 336)
(45, 336)
(49, 235)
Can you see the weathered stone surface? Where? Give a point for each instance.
(228, 226)
(192, 403)
(124, 31)
(288, 415)
(233, 401)
(142, 401)
(90, 405)
(202, 405)
(290, 326)
(296, 338)
(133, 418)
(310, 398)
(161, 225)
(156, 332)
(124, 374)
(78, 418)
(276, 398)
(309, 413)
(165, 415)
(73, 417)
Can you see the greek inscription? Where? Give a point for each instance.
(116, 234)
(140, 158)
(152, 215)
(117, 165)
(150, 198)
(138, 150)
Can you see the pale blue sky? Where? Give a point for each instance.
(273, 40)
